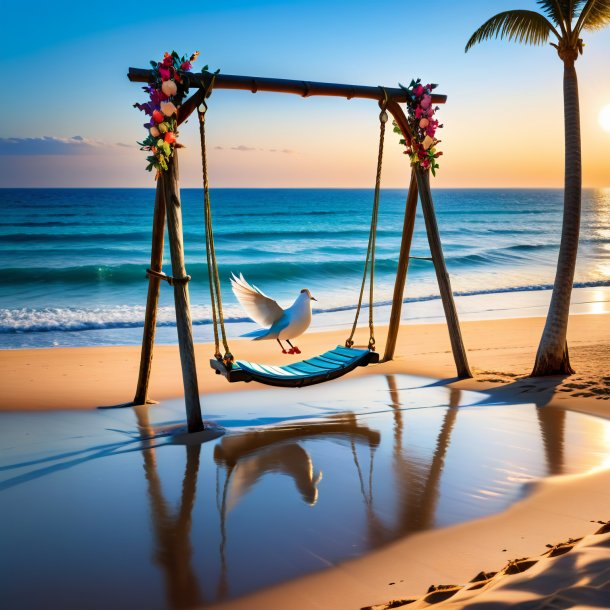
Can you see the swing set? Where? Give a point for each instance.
(335, 362)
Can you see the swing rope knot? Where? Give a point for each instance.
(228, 361)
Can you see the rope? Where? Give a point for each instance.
(370, 253)
(218, 322)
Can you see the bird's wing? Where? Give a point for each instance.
(261, 308)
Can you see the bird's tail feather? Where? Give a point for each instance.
(257, 334)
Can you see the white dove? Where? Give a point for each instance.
(283, 324)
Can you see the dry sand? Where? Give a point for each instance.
(501, 353)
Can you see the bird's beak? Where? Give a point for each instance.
(313, 298)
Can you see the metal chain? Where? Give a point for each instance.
(370, 253)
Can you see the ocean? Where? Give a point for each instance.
(73, 261)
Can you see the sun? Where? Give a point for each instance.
(604, 118)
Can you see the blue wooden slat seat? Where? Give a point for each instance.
(330, 365)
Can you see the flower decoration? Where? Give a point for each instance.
(166, 92)
(421, 118)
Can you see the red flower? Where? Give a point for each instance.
(170, 137)
(167, 59)
(186, 66)
(157, 117)
(164, 73)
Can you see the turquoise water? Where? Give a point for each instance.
(73, 260)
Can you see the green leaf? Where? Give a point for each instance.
(527, 27)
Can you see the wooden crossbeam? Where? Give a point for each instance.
(284, 85)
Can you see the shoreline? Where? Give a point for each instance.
(485, 305)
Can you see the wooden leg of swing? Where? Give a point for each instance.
(453, 323)
(181, 295)
(152, 301)
(403, 266)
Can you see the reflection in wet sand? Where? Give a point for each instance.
(417, 484)
(172, 530)
(552, 430)
(248, 457)
(407, 472)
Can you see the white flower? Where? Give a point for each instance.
(168, 108)
(169, 87)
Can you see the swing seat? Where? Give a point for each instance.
(330, 365)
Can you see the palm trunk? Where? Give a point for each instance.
(552, 357)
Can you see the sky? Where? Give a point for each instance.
(69, 121)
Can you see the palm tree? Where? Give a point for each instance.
(563, 21)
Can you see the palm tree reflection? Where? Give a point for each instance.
(552, 431)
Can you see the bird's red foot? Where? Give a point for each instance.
(285, 352)
(296, 350)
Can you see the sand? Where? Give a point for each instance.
(501, 354)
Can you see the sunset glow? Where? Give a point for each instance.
(604, 118)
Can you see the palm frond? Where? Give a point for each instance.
(594, 16)
(527, 27)
(559, 12)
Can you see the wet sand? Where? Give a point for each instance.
(501, 353)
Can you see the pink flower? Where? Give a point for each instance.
(419, 113)
(164, 73)
(186, 66)
(154, 132)
(418, 91)
(169, 87)
(424, 123)
(426, 100)
(425, 164)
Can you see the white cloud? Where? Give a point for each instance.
(51, 145)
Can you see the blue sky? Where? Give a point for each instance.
(503, 118)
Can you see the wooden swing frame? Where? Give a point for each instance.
(168, 206)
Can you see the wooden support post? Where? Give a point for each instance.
(403, 267)
(453, 323)
(152, 300)
(171, 188)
